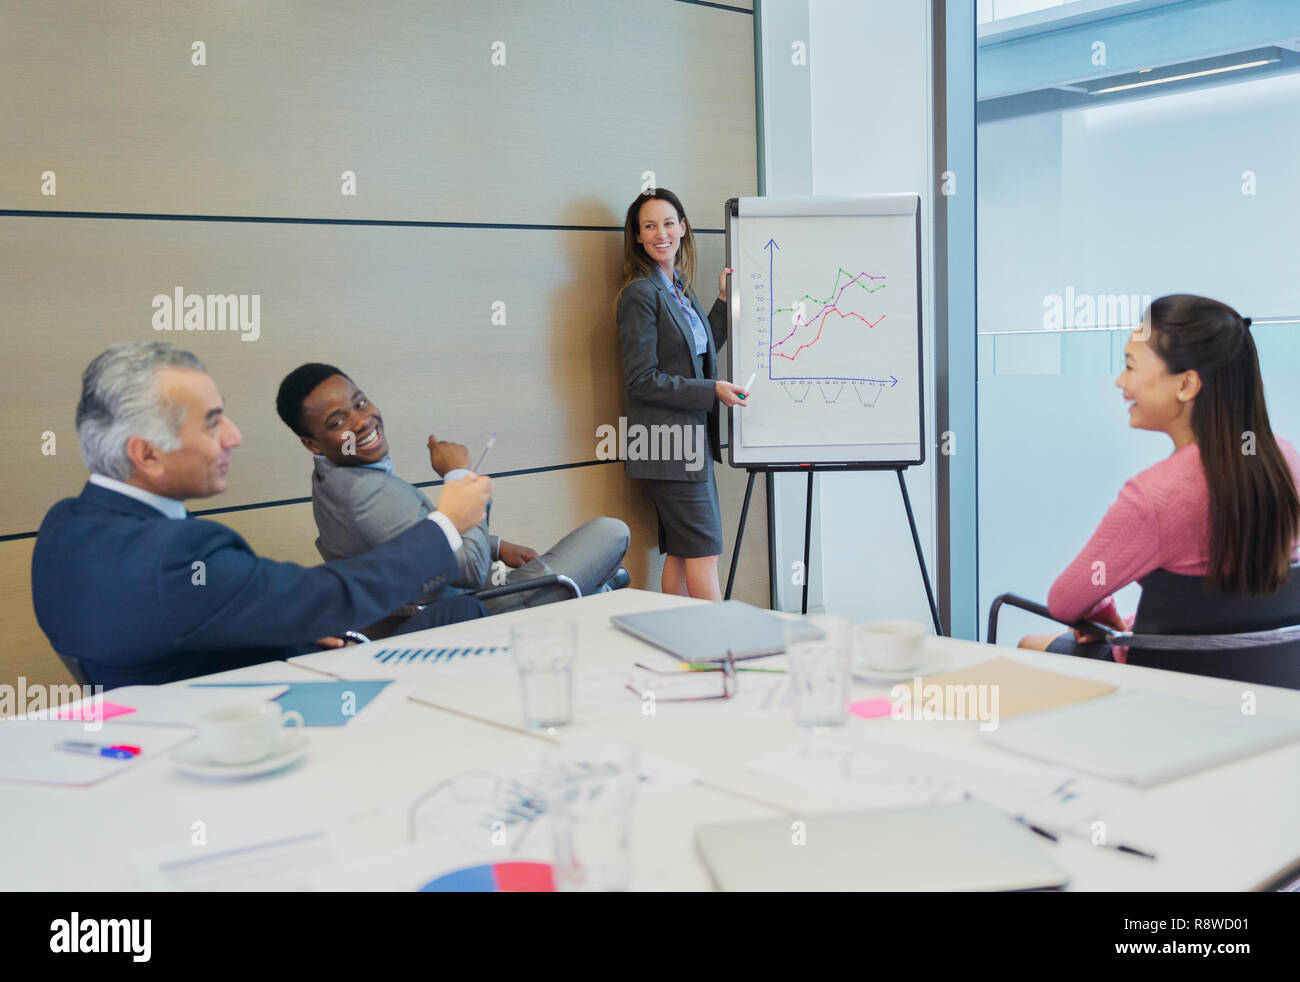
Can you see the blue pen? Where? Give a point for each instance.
(95, 749)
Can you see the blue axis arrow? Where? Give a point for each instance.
(771, 302)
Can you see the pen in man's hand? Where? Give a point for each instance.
(479, 466)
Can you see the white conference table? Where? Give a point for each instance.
(1230, 828)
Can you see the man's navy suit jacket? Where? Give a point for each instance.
(141, 598)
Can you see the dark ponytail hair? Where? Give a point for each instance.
(1254, 505)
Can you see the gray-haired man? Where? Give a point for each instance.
(127, 584)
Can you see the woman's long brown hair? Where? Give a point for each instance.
(636, 262)
(1254, 505)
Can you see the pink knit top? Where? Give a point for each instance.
(1161, 520)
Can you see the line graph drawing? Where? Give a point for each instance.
(829, 304)
(795, 343)
(827, 318)
(821, 324)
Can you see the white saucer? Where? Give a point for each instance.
(191, 759)
(926, 665)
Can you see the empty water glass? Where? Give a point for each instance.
(545, 654)
(591, 796)
(820, 670)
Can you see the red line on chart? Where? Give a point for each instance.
(829, 311)
(800, 322)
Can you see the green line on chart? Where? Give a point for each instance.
(843, 272)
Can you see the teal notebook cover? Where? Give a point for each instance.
(321, 703)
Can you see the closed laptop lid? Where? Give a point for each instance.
(965, 846)
(708, 632)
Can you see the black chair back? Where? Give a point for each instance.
(1176, 604)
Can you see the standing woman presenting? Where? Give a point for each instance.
(670, 367)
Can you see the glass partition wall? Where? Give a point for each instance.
(1125, 150)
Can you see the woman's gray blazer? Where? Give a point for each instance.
(665, 383)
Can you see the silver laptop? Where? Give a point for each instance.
(966, 846)
(709, 632)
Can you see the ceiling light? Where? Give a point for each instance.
(1179, 78)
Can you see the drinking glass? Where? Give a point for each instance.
(819, 670)
(545, 655)
(591, 793)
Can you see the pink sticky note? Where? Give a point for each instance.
(871, 708)
(91, 713)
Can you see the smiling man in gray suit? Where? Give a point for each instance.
(359, 502)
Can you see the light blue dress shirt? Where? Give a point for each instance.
(683, 300)
(168, 506)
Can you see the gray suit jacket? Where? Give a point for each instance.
(665, 382)
(358, 508)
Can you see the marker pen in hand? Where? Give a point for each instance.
(746, 386)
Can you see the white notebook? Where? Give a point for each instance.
(30, 751)
(1142, 737)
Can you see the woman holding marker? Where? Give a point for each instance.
(1224, 505)
(670, 368)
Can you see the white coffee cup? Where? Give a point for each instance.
(244, 734)
(888, 646)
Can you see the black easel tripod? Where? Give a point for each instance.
(810, 470)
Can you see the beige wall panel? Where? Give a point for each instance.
(593, 93)
(283, 532)
(406, 311)
(23, 648)
(751, 575)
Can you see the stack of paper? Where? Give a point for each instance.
(1143, 738)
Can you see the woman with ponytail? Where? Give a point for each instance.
(1223, 505)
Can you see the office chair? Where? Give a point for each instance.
(388, 625)
(1182, 626)
(554, 579)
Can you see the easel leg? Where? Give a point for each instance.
(920, 557)
(807, 540)
(740, 534)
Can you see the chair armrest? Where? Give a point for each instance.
(554, 579)
(1210, 642)
(1107, 634)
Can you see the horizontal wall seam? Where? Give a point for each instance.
(718, 6)
(303, 501)
(275, 220)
